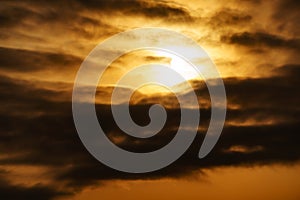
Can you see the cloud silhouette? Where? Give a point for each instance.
(40, 131)
(20, 60)
(261, 39)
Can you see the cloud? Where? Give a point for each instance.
(57, 146)
(44, 21)
(290, 70)
(286, 15)
(20, 60)
(75, 27)
(249, 1)
(18, 192)
(156, 9)
(13, 16)
(49, 11)
(36, 124)
(261, 39)
(229, 17)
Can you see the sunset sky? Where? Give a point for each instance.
(254, 44)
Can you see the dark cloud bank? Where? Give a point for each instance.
(37, 129)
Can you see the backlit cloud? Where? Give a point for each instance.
(254, 43)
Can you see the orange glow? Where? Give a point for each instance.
(275, 182)
(255, 46)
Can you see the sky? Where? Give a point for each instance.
(254, 44)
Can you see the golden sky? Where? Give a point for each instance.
(255, 45)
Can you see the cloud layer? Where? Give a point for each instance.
(254, 43)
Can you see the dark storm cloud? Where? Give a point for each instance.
(262, 39)
(49, 138)
(19, 60)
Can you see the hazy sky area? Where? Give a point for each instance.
(255, 45)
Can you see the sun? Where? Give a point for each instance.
(182, 67)
(159, 63)
(161, 74)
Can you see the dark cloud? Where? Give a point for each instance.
(54, 16)
(36, 124)
(256, 2)
(262, 39)
(15, 192)
(69, 14)
(18, 192)
(229, 17)
(49, 138)
(20, 60)
(152, 9)
(291, 70)
(286, 16)
(13, 16)
(19, 14)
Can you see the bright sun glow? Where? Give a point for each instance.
(159, 67)
(180, 66)
(162, 74)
